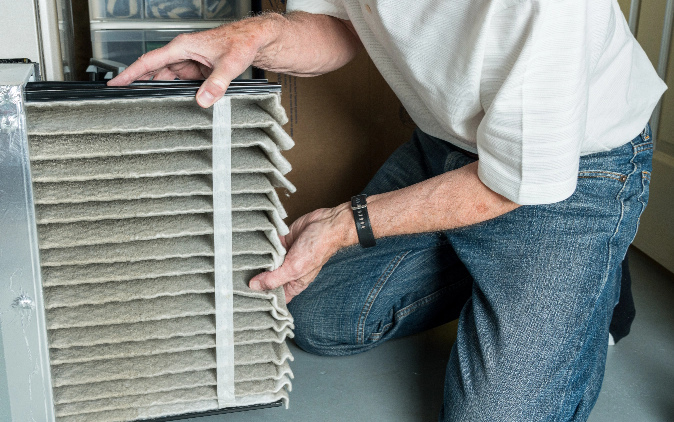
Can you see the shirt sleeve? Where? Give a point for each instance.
(534, 93)
(320, 7)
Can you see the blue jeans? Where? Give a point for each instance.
(534, 289)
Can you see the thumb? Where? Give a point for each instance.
(213, 88)
(272, 279)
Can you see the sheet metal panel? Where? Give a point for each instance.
(22, 318)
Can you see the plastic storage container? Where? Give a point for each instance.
(115, 9)
(125, 46)
(168, 9)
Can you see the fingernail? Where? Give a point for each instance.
(205, 98)
(255, 285)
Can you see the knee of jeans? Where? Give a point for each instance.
(320, 336)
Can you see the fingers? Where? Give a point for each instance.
(194, 56)
(152, 62)
(308, 251)
(272, 279)
(165, 74)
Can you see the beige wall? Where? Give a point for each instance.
(656, 231)
(649, 33)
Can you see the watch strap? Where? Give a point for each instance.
(362, 219)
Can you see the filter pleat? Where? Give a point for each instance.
(156, 249)
(171, 382)
(117, 116)
(260, 202)
(119, 210)
(167, 307)
(252, 160)
(249, 304)
(165, 397)
(257, 183)
(270, 104)
(276, 296)
(158, 365)
(98, 294)
(101, 273)
(258, 321)
(88, 145)
(263, 371)
(121, 388)
(121, 189)
(251, 243)
(163, 329)
(247, 138)
(62, 235)
(135, 367)
(262, 336)
(244, 243)
(244, 354)
(251, 354)
(122, 333)
(130, 349)
(281, 395)
(119, 231)
(250, 388)
(152, 207)
(131, 167)
(254, 262)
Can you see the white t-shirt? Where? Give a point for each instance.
(530, 85)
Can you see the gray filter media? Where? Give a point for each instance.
(125, 217)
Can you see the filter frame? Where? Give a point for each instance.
(23, 333)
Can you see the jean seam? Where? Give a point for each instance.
(609, 255)
(645, 174)
(645, 178)
(374, 292)
(407, 310)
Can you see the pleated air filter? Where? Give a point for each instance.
(150, 217)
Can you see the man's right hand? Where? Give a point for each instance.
(300, 44)
(217, 55)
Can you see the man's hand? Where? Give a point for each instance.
(220, 55)
(312, 240)
(454, 199)
(300, 44)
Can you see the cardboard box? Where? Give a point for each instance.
(345, 124)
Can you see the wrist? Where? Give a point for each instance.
(344, 227)
(268, 31)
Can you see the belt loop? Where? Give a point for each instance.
(646, 133)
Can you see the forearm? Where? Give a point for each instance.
(303, 44)
(454, 199)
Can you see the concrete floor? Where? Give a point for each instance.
(401, 381)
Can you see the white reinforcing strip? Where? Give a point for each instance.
(222, 239)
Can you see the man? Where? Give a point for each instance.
(525, 244)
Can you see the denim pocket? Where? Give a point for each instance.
(604, 185)
(586, 174)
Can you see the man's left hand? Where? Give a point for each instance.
(312, 240)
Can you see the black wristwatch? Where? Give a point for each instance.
(362, 219)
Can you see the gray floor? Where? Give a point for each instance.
(401, 381)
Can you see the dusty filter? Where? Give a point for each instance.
(150, 216)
